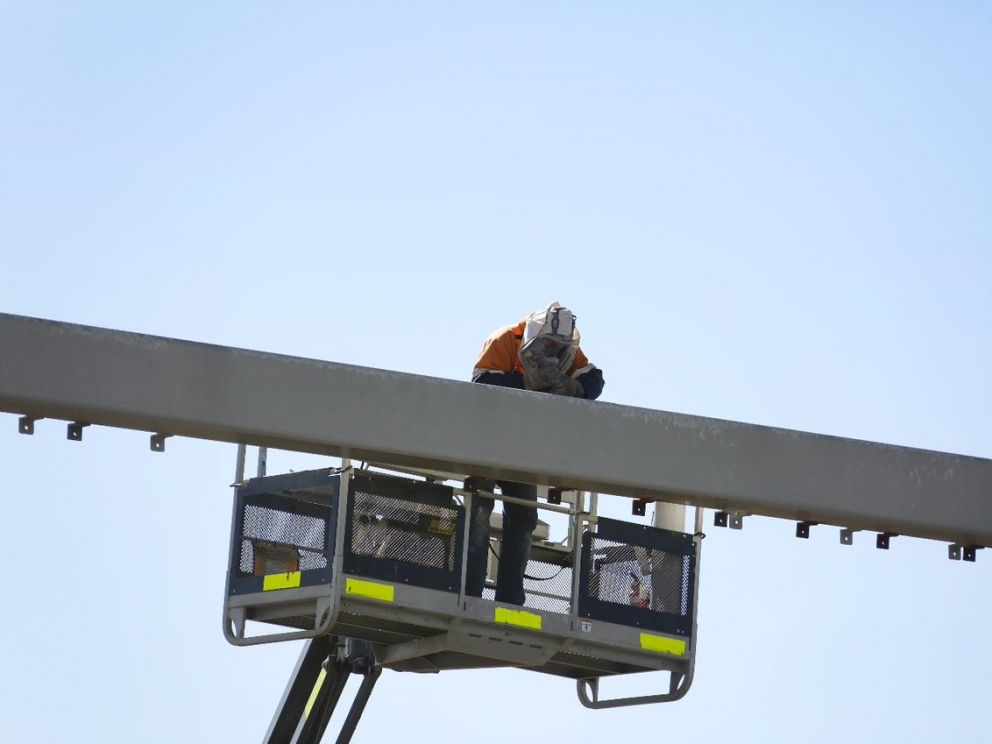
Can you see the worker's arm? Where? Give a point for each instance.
(497, 363)
(503, 379)
(588, 375)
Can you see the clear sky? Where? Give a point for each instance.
(777, 214)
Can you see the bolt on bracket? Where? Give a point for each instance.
(969, 552)
(882, 539)
(847, 536)
(25, 424)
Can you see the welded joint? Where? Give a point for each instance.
(882, 539)
(157, 442)
(802, 528)
(74, 431)
(25, 424)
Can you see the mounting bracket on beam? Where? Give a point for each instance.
(639, 508)
(554, 495)
(802, 529)
(882, 539)
(847, 536)
(157, 443)
(75, 431)
(25, 424)
(734, 520)
(956, 551)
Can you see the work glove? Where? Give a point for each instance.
(543, 375)
(540, 372)
(569, 386)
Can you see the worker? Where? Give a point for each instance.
(540, 353)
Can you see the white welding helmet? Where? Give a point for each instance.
(551, 333)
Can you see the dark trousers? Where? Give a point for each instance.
(518, 526)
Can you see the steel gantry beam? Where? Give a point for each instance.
(168, 387)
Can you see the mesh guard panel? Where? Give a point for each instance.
(638, 576)
(404, 531)
(275, 541)
(422, 534)
(283, 524)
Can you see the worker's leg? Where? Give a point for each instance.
(478, 541)
(518, 526)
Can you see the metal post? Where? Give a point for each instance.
(467, 506)
(263, 457)
(669, 516)
(575, 528)
(239, 467)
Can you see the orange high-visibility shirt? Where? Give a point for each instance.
(501, 353)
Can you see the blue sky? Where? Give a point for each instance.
(776, 214)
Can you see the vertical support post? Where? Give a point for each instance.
(263, 457)
(575, 528)
(669, 516)
(697, 536)
(239, 465)
(467, 506)
(337, 565)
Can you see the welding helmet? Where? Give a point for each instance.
(550, 334)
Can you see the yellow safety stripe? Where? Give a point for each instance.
(369, 589)
(313, 695)
(662, 645)
(518, 617)
(281, 581)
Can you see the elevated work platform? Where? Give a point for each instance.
(381, 559)
(164, 386)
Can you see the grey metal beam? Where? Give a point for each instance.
(112, 378)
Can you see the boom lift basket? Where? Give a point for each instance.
(380, 558)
